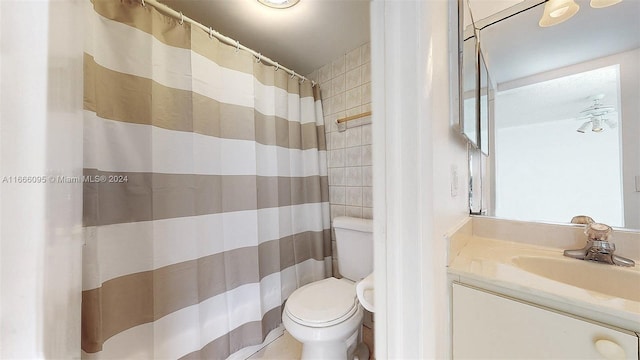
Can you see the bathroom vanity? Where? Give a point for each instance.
(488, 325)
(515, 296)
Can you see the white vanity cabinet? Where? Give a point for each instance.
(490, 326)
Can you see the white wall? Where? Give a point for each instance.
(40, 135)
(550, 172)
(414, 150)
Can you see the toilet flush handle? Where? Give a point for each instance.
(364, 291)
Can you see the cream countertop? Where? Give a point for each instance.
(491, 264)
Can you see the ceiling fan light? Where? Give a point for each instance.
(557, 11)
(598, 4)
(610, 123)
(278, 4)
(584, 127)
(597, 125)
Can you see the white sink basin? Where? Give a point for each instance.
(610, 280)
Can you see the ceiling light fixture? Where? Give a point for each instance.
(278, 4)
(557, 11)
(597, 109)
(584, 127)
(594, 115)
(597, 124)
(603, 3)
(610, 123)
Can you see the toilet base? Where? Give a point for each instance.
(323, 351)
(351, 349)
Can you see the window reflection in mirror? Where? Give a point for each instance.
(552, 143)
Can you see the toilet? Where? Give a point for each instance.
(325, 315)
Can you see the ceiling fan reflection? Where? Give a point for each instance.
(594, 115)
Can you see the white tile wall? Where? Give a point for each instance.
(345, 85)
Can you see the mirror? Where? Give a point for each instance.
(468, 72)
(469, 119)
(551, 82)
(485, 85)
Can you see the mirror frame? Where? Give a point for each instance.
(472, 139)
(467, 120)
(484, 85)
(470, 122)
(475, 159)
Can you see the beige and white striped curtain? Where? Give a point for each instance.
(206, 200)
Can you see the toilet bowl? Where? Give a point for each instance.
(325, 315)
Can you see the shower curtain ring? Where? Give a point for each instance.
(210, 32)
(303, 80)
(277, 66)
(181, 18)
(237, 45)
(293, 74)
(259, 58)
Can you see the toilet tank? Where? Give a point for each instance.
(354, 241)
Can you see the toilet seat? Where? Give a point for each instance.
(323, 303)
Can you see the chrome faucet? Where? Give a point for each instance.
(598, 247)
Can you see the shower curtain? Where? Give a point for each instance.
(205, 189)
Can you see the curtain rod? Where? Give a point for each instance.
(178, 15)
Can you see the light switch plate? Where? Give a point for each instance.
(454, 181)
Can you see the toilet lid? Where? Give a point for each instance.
(323, 303)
